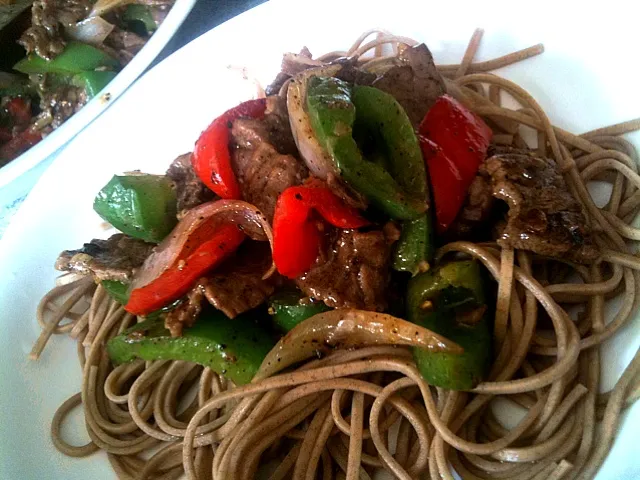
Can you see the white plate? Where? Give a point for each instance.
(582, 81)
(96, 106)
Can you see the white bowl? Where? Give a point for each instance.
(19, 175)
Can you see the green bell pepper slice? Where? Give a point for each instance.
(389, 130)
(415, 248)
(142, 206)
(390, 172)
(136, 14)
(332, 114)
(119, 291)
(451, 301)
(93, 82)
(382, 116)
(288, 308)
(77, 57)
(232, 348)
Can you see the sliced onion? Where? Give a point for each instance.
(248, 218)
(93, 30)
(294, 63)
(317, 158)
(348, 328)
(103, 6)
(380, 66)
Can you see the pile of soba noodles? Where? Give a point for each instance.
(358, 411)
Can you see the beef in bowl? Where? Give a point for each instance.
(74, 48)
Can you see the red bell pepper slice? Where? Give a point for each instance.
(446, 183)
(5, 135)
(20, 111)
(296, 233)
(19, 144)
(461, 134)
(206, 247)
(211, 159)
(459, 140)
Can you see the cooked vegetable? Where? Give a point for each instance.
(136, 14)
(348, 328)
(211, 159)
(414, 250)
(142, 206)
(119, 291)
(296, 237)
(450, 300)
(289, 308)
(205, 249)
(315, 156)
(93, 30)
(93, 82)
(18, 144)
(448, 188)
(463, 139)
(384, 123)
(76, 57)
(234, 349)
(332, 114)
(204, 237)
(103, 6)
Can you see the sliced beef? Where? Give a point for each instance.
(543, 216)
(352, 271)
(477, 210)
(45, 37)
(190, 191)
(480, 208)
(234, 288)
(61, 102)
(274, 87)
(263, 157)
(185, 314)
(415, 82)
(124, 44)
(294, 63)
(238, 286)
(351, 73)
(112, 259)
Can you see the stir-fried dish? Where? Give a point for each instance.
(74, 48)
(376, 246)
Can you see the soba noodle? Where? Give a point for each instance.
(352, 412)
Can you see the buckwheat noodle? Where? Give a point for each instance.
(353, 412)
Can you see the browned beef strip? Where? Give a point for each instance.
(274, 87)
(190, 191)
(543, 216)
(352, 271)
(238, 286)
(185, 314)
(45, 36)
(415, 83)
(477, 210)
(293, 63)
(61, 102)
(112, 259)
(234, 288)
(351, 73)
(123, 44)
(261, 157)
